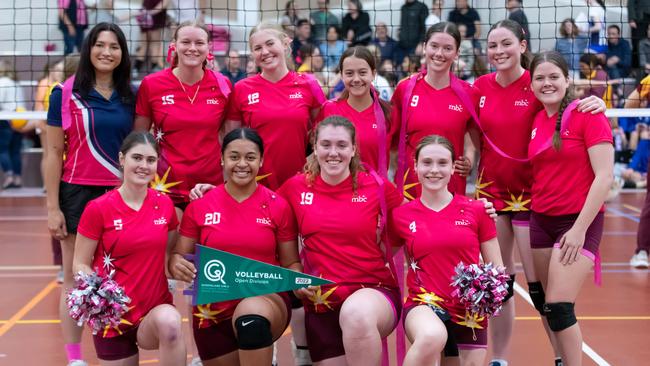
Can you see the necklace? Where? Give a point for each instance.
(185, 91)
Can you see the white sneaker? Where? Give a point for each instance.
(77, 363)
(640, 259)
(59, 278)
(196, 361)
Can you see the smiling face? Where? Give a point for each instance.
(549, 83)
(357, 76)
(241, 162)
(434, 167)
(440, 52)
(106, 54)
(269, 51)
(504, 49)
(191, 46)
(334, 150)
(139, 164)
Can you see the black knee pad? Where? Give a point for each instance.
(537, 295)
(451, 348)
(511, 288)
(560, 315)
(253, 332)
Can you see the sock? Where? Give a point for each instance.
(501, 362)
(73, 350)
(558, 361)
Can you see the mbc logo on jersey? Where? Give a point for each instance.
(462, 222)
(296, 95)
(160, 221)
(212, 101)
(521, 103)
(263, 221)
(360, 199)
(456, 107)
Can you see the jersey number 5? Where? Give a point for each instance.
(306, 198)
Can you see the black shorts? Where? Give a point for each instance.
(73, 199)
(518, 218)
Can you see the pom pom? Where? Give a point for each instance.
(98, 301)
(480, 287)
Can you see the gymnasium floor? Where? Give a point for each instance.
(615, 318)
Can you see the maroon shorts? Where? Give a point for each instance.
(219, 339)
(463, 337)
(546, 231)
(518, 218)
(324, 334)
(117, 348)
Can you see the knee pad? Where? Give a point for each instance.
(560, 315)
(537, 295)
(253, 332)
(511, 288)
(451, 348)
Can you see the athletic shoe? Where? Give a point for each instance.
(301, 356)
(640, 259)
(77, 363)
(558, 362)
(196, 361)
(59, 277)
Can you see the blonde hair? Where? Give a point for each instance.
(278, 33)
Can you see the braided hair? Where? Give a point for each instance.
(556, 59)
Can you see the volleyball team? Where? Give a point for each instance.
(271, 170)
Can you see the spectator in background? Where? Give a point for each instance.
(321, 21)
(410, 66)
(593, 79)
(643, 48)
(593, 25)
(11, 98)
(436, 13)
(333, 47)
(387, 46)
(152, 20)
(289, 20)
(251, 68)
(464, 14)
(355, 27)
(619, 54)
(181, 11)
(465, 54)
(571, 43)
(233, 70)
(301, 38)
(73, 21)
(384, 89)
(638, 15)
(516, 13)
(412, 28)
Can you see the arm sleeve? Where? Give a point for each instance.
(287, 228)
(392, 195)
(396, 114)
(234, 111)
(91, 224)
(596, 129)
(394, 232)
(142, 105)
(54, 110)
(173, 219)
(486, 227)
(189, 226)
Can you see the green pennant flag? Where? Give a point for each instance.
(222, 276)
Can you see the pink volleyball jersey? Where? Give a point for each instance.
(132, 243)
(506, 115)
(93, 138)
(280, 112)
(188, 132)
(251, 228)
(338, 226)
(435, 243)
(562, 179)
(366, 127)
(431, 111)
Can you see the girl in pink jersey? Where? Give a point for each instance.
(339, 208)
(239, 331)
(360, 103)
(567, 220)
(185, 105)
(440, 230)
(129, 231)
(279, 103)
(507, 107)
(431, 103)
(89, 116)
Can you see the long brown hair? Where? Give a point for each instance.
(519, 33)
(435, 140)
(312, 168)
(363, 53)
(556, 59)
(195, 24)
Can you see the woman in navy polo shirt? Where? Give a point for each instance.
(89, 116)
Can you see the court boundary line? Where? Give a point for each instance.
(598, 359)
(623, 214)
(28, 307)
